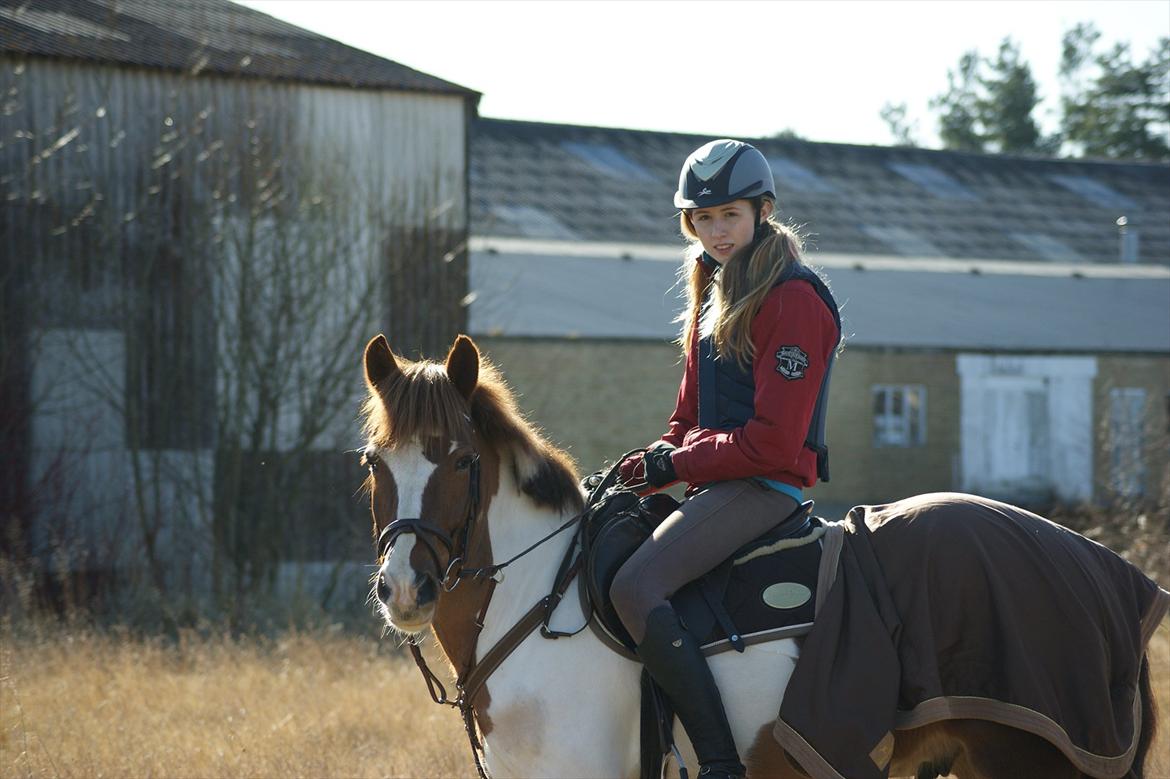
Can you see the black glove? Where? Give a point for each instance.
(659, 468)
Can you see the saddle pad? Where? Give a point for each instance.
(767, 586)
(767, 592)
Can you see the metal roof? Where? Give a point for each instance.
(550, 289)
(197, 36)
(608, 184)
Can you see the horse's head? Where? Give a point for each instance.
(429, 476)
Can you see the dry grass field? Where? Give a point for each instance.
(79, 703)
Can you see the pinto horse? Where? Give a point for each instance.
(459, 482)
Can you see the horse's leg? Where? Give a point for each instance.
(926, 752)
(993, 751)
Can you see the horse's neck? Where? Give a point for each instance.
(549, 696)
(515, 523)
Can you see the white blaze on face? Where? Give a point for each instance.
(411, 471)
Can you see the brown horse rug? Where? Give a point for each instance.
(950, 606)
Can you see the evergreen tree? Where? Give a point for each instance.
(988, 105)
(1113, 107)
(958, 122)
(1006, 103)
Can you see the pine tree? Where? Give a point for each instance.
(1113, 107)
(958, 122)
(988, 105)
(1006, 103)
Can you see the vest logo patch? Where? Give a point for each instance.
(791, 362)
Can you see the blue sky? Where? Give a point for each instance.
(822, 69)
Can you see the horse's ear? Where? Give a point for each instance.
(463, 365)
(379, 361)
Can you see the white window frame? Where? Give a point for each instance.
(898, 429)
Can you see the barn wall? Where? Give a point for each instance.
(230, 245)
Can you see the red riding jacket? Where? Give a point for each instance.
(793, 320)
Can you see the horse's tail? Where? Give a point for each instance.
(1149, 720)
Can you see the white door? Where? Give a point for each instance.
(1025, 426)
(1016, 440)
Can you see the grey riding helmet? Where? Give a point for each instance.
(722, 171)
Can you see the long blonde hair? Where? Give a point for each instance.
(723, 305)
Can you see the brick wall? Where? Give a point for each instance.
(862, 473)
(597, 399)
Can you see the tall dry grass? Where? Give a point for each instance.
(83, 704)
(78, 703)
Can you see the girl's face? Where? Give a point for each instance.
(724, 230)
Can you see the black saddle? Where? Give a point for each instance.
(766, 589)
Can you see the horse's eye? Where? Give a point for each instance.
(369, 460)
(464, 462)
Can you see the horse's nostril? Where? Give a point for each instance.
(383, 589)
(426, 589)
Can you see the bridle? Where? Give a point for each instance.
(471, 680)
(429, 533)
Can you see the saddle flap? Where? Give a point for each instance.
(622, 523)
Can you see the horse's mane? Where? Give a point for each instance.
(420, 401)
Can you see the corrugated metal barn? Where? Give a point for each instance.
(1004, 336)
(206, 212)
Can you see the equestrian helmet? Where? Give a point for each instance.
(722, 171)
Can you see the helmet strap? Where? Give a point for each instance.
(710, 263)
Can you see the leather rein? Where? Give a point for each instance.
(470, 682)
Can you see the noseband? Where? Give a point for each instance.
(433, 536)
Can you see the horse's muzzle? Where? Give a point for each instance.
(408, 606)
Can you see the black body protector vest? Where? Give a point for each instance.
(727, 391)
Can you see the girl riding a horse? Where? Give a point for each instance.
(759, 335)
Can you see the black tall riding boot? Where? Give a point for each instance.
(675, 661)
